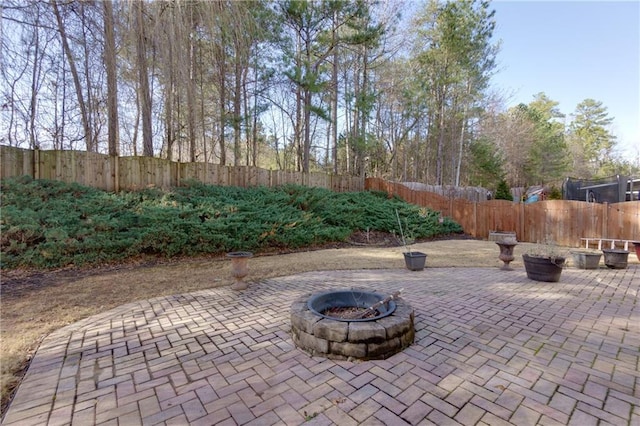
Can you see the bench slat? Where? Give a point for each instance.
(613, 241)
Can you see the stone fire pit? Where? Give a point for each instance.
(387, 333)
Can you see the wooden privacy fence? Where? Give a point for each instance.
(129, 173)
(561, 221)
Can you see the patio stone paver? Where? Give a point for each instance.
(492, 347)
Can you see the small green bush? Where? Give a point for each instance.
(47, 224)
(554, 193)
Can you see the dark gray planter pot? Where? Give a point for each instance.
(543, 268)
(415, 260)
(586, 259)
(616, 258)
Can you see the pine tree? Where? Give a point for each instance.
(503, 192)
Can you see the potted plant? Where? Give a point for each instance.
(544, 263)
(414, 260)
(586, 259)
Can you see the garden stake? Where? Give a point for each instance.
(404, 243)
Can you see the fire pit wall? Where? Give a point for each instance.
(345, 340)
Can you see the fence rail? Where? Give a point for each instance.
(561, 221)
(129, 173)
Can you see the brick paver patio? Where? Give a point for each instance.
(492, 347)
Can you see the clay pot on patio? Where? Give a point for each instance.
(543, 268)
(584, 259)
(415, 260)
(239, 268)
(616, 258)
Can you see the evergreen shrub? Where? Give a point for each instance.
(50, 224)
(503, 192)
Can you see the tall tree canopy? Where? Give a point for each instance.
(342, 86)
(590, 138)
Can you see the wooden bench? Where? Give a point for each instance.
(612, 241)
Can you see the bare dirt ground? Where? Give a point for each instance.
(36, 303)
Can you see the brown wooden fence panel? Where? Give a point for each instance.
(263, 176)
(237, 176)
(201, 172)
(495, 215)
(463, 212)
(623, 219)
(544, 222)
(16, 162)
(562, 222)
(587, 219)
(142, 172)
(87, 168)
(130, 173)
(92, 169)
(318, 179)
(56, 165)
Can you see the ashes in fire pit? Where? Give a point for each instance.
(350, 312)
(352, 305)
(346, 324)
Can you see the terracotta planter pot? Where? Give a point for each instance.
(415, 260)
(543, 268)
(616, 258)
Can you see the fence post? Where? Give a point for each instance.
(521, 221)
(115, 170)
(475, 219)
(36, 163)
(605, 219)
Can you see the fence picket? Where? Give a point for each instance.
(564, 222)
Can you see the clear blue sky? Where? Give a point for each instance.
(573, 50)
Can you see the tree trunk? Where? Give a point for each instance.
(254, 125)
(112, 78)
(237, 105)
(440, 150)
(334, 101)
(89, 100)
(35, 72)
(223, 110)
(461, 144)
(143, 81)
(191, 93)
(168, 102)
(76, 79)
(307, 131)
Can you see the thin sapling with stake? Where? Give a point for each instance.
(404, 243)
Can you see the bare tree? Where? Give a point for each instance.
(112, 78)
(86, 124)
(143, 79)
